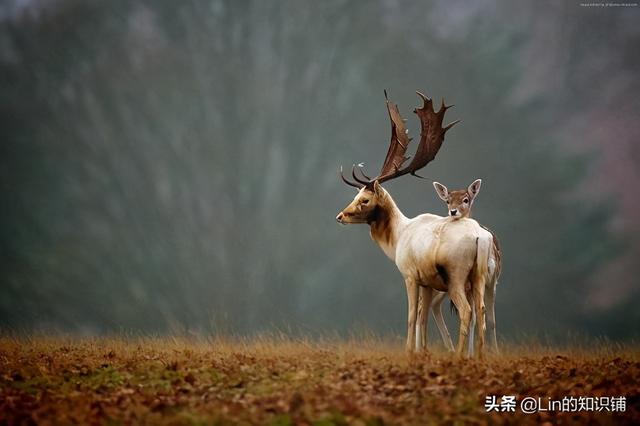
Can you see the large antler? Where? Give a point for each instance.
(431, 138)
(399, 143)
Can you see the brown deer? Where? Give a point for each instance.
(431, 252)
(459, 206)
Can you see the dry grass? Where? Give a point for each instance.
(277, 380)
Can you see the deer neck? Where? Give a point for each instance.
(386, 225)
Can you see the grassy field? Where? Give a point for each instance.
(279, 381)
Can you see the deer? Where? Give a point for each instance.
(431, 252)
(459, 204)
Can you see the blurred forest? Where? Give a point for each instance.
(171, 166)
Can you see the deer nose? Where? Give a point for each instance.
(453, 212)
(339, 217)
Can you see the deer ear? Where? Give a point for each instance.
(442, 191)
(474, 188)
(377, 189)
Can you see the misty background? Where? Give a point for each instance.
(172, 166)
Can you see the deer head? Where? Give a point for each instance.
(458, 202)
(365, 205)
(371, 196)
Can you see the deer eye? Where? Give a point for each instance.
(365, 202)
(466, 201)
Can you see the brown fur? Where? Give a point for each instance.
(381, 227)
(456, 201)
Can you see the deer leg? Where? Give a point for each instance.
(436, 308)
(426, 295)
(459, 299)
(471, 329)
(419, 320)
(478, 301)
(490, 302)
(412, 301)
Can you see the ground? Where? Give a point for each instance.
(280, 381)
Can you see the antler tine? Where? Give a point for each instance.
(353, 173)
(443, 109)
(450, 125)
(441, 112)
(361, 168)
(345, 180)
(424, 97)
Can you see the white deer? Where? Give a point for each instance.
(459, 204)
(430, 251)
